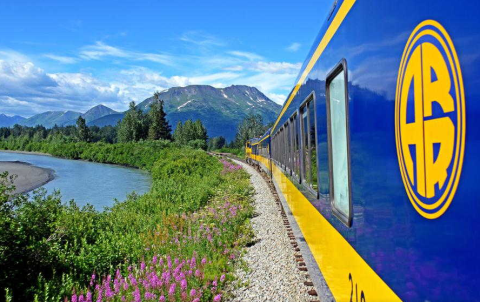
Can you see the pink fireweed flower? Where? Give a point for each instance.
(193, 292)
(81, 298)
(222, 278)
(204, 261)
(196, 300)
(74, 298)
(136, 295)
(133, 281)
(183, 284)
(89, 296)
(150, 296)
(217, 298)
(162, 299)
(142, 266)
(171, 291)
(154, 259)
(198, 273)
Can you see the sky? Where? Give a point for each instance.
(75, 54)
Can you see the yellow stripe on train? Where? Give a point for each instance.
(347, 275)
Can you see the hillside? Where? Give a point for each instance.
(51, 118)
(219, 109)
(8, 121)
(97, 112)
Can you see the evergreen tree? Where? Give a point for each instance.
(191, 133)
(158, 127)
(83, 133)
(133, 126)
(252, 126)
(216, 143)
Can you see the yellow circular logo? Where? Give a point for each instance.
(430, 119)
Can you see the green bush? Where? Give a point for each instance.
(49, 250)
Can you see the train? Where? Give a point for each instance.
(375, 153)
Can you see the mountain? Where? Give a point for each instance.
(66, 118)
(97, 112)
(219, 109)
(8, 121)
(93, 114)
(111, 119)
(51, 118)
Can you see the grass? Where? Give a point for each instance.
(178, 242)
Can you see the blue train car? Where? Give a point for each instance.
(376, 151)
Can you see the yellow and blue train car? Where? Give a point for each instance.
(376, 152)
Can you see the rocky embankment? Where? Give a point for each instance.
(272, 273)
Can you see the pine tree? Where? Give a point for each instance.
(159, 127)
(251, 126)
(191, 133)
(83, 133)
(133, 126)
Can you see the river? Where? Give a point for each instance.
(87, 182)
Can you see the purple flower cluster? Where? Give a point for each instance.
(215, 232)
(162, 279)
(229, 167)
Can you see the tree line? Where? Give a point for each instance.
(137, 125)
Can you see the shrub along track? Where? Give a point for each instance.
(276, 270)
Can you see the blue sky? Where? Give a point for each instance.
(72, 55)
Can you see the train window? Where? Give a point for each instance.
(337, 106)
(309, 144)
(296, 147)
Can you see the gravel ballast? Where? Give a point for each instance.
(272, 273)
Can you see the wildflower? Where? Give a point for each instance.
(150, 296)
(183, 284)
(193, 292)
(217, 298)
(136, 295)
(89, 296)
(171, 291)
(162, 299)
(81, 298)
(74, 298)
(204, 261)
(222, 278)
(196, 300)
(154, 260)
(142, 266)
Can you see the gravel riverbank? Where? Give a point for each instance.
(272, 273)
(29, 177)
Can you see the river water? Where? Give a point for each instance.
(86, 182)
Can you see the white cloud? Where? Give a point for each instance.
(294, 47)
(248, 55)
(201, 39)
(26, 89)
(10, 55)
(101, 50)
(276, 67)
(61, 59)
(277, 98)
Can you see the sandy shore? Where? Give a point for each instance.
(29, 177)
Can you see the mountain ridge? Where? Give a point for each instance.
(220, 109)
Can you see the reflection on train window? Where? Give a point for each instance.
(309, 171)
(296, 148)
(338, 147)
